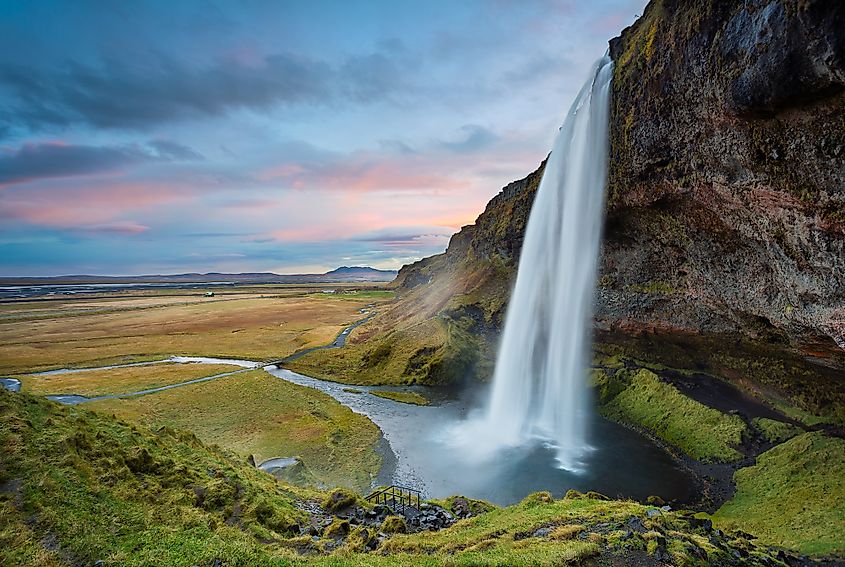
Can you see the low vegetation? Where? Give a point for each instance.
(776, 431)
(264, 324)
(254, 413)
(793, 496)
(403, 397)
(80, 487)
(77, 487)
(111, 381)
(640, 398)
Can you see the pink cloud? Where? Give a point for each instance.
(94, 208)
(119, 227)
(366, 173)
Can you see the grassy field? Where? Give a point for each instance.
(263, 324)
(254, 413)
(793, 496)
(92, 383)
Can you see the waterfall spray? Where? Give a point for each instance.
(539, 386)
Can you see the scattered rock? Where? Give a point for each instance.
(635, 524)
(542, 532)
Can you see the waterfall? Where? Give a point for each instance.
(539, 386)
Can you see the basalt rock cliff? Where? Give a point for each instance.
(724, 243)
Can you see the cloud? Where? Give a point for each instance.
(175, 151)
(119, 227)
(44, 160)
(103, 206)
(471, 138)
(365, 172)
(55, 159)
(166, 89)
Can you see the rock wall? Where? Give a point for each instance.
(726, 200)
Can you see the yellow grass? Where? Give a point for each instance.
(92, 383)
(258, 414)
(265, 324)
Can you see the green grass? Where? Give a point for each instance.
(403, 397)
(793, 496)
(701, 432)
(91, 488)
(109, 381)
(776, 431)
(257, 414)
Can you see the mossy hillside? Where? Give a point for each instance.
(810, 394)
(254, 413)
(544, 531)
(412, 398)
(79, 487)
(432, 351)
(776, 431)
(640, 398)
(793, 496)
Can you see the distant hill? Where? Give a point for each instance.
(339, 275)
(361, 272)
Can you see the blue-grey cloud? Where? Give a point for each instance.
(165, 89)
(471, 138)
(175, 151)
(54, 159)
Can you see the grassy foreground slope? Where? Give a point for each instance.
(254, 413)
(77, 487)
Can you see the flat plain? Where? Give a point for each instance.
(255, 323)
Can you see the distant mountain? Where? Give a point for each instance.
(339, 275)
(363, 271)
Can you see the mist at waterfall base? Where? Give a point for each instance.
(539, 389)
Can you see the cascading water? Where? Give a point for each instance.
(539, 386)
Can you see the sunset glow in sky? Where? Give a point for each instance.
(168, 137)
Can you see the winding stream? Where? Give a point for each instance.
(621, 463)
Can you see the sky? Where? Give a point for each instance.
(157, 137)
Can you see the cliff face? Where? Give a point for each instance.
(725, 235)
(727, 179)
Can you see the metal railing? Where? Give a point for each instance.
(399, 498)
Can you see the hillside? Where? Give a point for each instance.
(79, 488)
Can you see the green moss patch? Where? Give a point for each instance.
(776, 431)
(404, 397)
(701, 432)
(793, 496)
